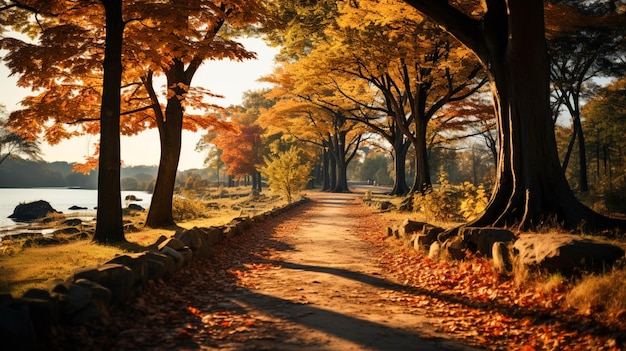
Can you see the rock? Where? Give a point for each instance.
(196, 240)
(565, 253)
(480, 240)
(72, 222)
(44, 241)
(99, 294)
(137, 262)
(71, 297)
(501, 257)
(32, 211)
(213, 235)
(409, 227)
(135, 207)
(76, 208)
(167, 263)
(132, 197)
(382, 205)
(179, 259)
(117, 278)
(172, 243)
(454, 248)
(21, 236)
(434, 251)
(66, 231)
(428, 236)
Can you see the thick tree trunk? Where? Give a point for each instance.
(531, 190)
(342, 177)
(326, 171)
(170, 133)
(109, 228)
(400, 149)
(332, 169)
(421, 180)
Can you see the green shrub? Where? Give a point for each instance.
(185, 207)
(286, 173)
(450, 202)
(474, 200)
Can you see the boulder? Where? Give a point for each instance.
(137, 262)
(72, 222)
(565, 253)
(31, 211)
(480, 240)
(435, 251)
(71, 297)
(428, 236)
(172, 243)
(165, 262)
(76, 208)
(454, 248)
(178, 257)
(408, 227)
(131, 197)
(117, 278)
(213, 235)
(501, 257)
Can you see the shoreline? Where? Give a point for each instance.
(46, 225)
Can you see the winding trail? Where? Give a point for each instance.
(300, 281)
(330, 293)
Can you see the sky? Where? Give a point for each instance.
(227, 78)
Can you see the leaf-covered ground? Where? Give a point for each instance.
(278, 287)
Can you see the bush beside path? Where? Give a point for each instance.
(324, 277)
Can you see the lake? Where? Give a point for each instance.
(61, 199)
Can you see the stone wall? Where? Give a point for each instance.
(26, 322)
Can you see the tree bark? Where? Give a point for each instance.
(170, 133)
(421, 181)
(531, 190)
(400, 149)
(109, 228)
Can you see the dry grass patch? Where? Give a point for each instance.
(23, 268)
(601, 293)
(37, 266)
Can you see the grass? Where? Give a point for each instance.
(39, 267)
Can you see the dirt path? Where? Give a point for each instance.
(303, 281)
(330, 293)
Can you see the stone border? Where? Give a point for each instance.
(27, 322)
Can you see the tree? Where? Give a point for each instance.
(12, 145)
(179, 64)
(508, 37)
(581, 48)
(605, 124)
(287, 173)
(160, 46)
(242, 152)
(48, 69)
(416, 79)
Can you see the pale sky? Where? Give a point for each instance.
(226, 78)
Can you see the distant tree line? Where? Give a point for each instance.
(21, 173)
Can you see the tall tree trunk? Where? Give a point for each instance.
(582, 158)
(421, 180)
(332, 170)
(109, 228)
(341, 185)
(326, 171)
(170, 133)
(531, 189)
(400, 150)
